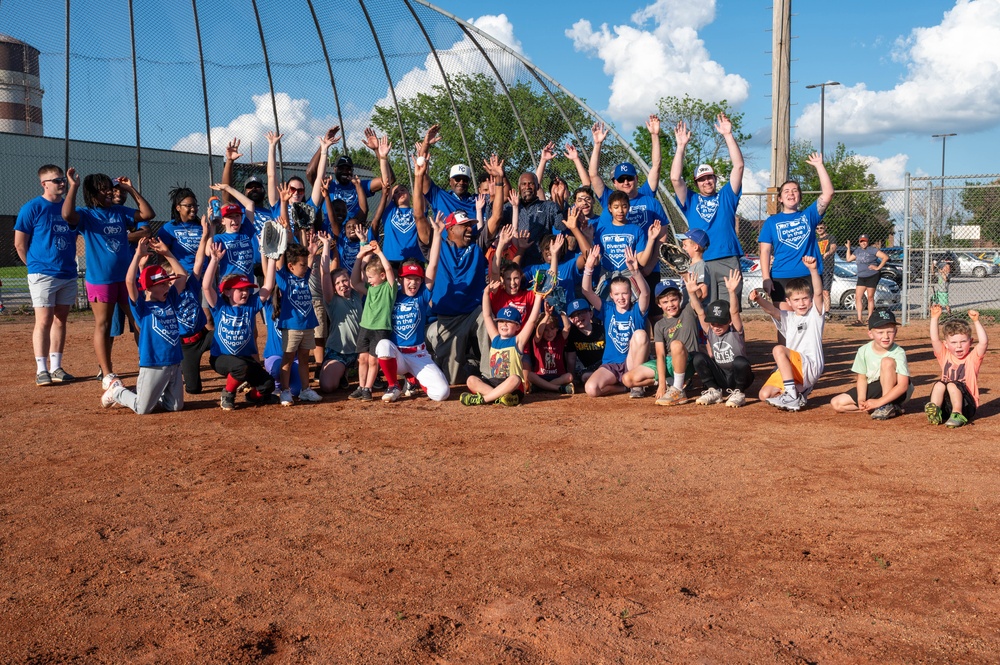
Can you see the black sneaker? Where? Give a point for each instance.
(228, 401)
(43, 378)
(344, 383)
(59, 375)
(366, 395)
(380, 383)
(269, 398)
(359, 393)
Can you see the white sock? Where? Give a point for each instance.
(679, 381)
(40, 364)
(55, 361)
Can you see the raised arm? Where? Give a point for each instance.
(581, 170)
(499, 187)
(817, 282)
(357, 283)
(593, 259)
(488, 320)
(423, 150)
(232, 154)
(321, 154)
(682, 135)
(655, 160)
(69, 213)
(386, 177)
(815, 160)
(528, 329)
(145, 212)
(637, 279)
(691, 284)
(548, 154)
(646, 258)
(430, 273)
(325, 142)
(419, 200)
(574, 218)
(141, 249)
(199, 256)
(936, 344)
(600, 133)
(982, 340)
(272, 168)
(232, 192)
(849, 255)
(208, 287)
(178, 270)
(725, 127)
(733, 281)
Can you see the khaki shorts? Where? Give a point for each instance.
(297, 340)
(321, 330)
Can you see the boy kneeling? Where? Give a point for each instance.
(883, 376)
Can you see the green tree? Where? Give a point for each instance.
(706, 145)
(851, 213)
(983, 203)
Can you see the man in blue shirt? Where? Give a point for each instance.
(47, 245)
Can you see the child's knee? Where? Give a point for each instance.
(779, 351)
(841, 402)
(888, 366)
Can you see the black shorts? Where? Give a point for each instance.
(869, 282)
(968, 404)
(494, 382)
(369, 339)
(875, 391)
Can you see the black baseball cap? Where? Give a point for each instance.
(881, 318)
(345, 160)
(717, 312)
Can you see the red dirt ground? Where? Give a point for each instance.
(568, 530)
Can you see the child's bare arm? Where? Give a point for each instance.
(637, 279)
(215, 252)
(390, 274)
(430, 274)
(491, 325)
(980, 333)
(524, 335)
(565, 324)
(588, 277)
(357, 283)
(765, 305)
(817, 282)
(267, 288)
(694, 299)
(651, 242)
(661, 369)
(732, 285)
(133, 270)
(935, 333)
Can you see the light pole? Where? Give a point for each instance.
(822, 108)
(944, 143)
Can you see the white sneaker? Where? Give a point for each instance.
(108, 398)
(786, 402)
(709, 396)
(109, 379)
(310, 395)
(736, 398)
(286, 397)
(391, 395)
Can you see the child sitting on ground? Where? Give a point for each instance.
(155, 312)
(727, 369)
(800, 358)
(376, 318)
(585, 343)
(549, 350)
(883, 384)
(508, 338)
(955, 396)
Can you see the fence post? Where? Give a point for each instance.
(927, 253)
(906, 248)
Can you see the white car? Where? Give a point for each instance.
(841, 291)
(970, 265)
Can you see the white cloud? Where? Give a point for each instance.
(953, 84)
(889, 171)
(670, 59)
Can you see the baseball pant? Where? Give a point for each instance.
(155, 385)
(738, 376)
(420, 364)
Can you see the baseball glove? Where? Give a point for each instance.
(674, 258)
(544, 282)
(304, 217)
(273, 240)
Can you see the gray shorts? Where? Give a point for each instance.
(617, 369)
(48, 291)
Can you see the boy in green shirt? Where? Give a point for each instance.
(883, 376)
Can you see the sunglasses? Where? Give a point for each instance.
(297, 189)
(58, 181)
(584, 199)
(625, 178)
(462, 179)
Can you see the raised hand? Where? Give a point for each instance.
(691, 282)
(312, 242)
(572, 218)
(570, 152)
(973, 315)
(682, 134)
(142, 247)
(523, 239)
(371, 139)
(558, 242)
(72, 175)
(332, 133)
(593, 258)
(325, 142)
(495, 285)
(272, 138)
(548, 152)
(733, 280)
(438, 222)
(284, 192)
(158, 246)
(493, 165)
(654, 230)
(433, 135)
(233, 150)
(481, 200)
(514, 198)
(815, 160)
(936, 311)
(419, 162)
(723, 125)
(631, 261)
(124, 182)
(653, 125)
(599, 131)
(218, 187)
(506, 236)
(809, 262)
(383, 147)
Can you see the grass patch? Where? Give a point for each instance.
(14, 272)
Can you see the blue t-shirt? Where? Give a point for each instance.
(190, 316)
(296, 311)
(792, 236)
(446, 201)
(614, 239)
(240, 256)
(234, 327)
(400, 241)
(159, 332)
(460, 279)
(642, 210)
(105, 235)
(52, 247)
(348, 251)
(272, 347)
(568, 275)
(349, 195)
(716, 216)
(182, 239)
(409, 317)
(262, 217)
(618, 330)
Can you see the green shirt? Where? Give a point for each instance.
(377, 314)
(869, 363)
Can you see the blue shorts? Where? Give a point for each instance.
(345, 359)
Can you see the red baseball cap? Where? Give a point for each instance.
(231, 209)
(411, 270)
(456, 218)
(153, 275)
(236, 282)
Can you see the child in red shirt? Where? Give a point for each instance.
(549, 350)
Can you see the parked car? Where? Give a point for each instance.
(970, 265)
(917, 261)
(887, 293)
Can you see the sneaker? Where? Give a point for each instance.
(100, 373)
(380, 383)
(243, 387)
(108, 398)
(411, 389)
(934, 415)
(227, 401)
(310, 395)
(637, 393)
(470, 399)
(786, 402)
(391, 395)
(366, 395)
(709, 396)
(672, 397)
(568, 389)
(43, 378)
(286, 397)
(957, 420)
(510, 399)
(108, 379)
(886, 411)
(357, 394)
(736, 399)
(59, 375)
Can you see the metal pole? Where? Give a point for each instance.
(944, 142)
(905, 304)
(204, 92)
(270, 85)
(822, 120)
(66, 132)
(329, 69)
(135, 98)
(927, 253)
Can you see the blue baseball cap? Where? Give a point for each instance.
(624, 168)
(578, 305)
(509, 314)
(669, 285)
(696, 236)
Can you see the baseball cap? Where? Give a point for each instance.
(669, 285)
(509, 314)
(624, 168)
(455, 218)
(411, 270)
(236, 282)
(881, 318)
(863, 236)
(703, 170)
(253, 180)
(578, 305)
(230, 209)
(697, 236)
(153, 275)
(717, 312)
(460, 171)
(345, 160)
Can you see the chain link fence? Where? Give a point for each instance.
(955, 221)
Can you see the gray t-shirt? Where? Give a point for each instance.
(865, 257)
(345, 323)
(726, 347)
(684, 327)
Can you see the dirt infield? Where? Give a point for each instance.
(567, 530)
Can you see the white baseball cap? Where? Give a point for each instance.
(460, 170)
(703, 170)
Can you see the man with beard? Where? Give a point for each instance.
(534, 215)
(341, 187)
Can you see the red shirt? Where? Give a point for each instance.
(549, 356)
(522, 301)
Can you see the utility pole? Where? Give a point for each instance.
(822, 112)
(944, 142)
(781, 63)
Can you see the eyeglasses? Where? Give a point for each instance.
(189, 206)
(625, 178)
(584, 199)
(58, 181)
